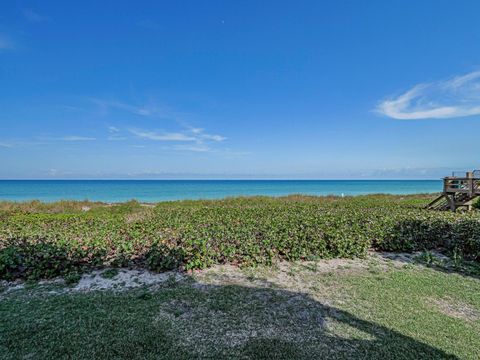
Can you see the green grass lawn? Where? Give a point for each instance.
(356, 309)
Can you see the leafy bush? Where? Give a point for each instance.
(37, 261)
(161, 258)
(476, 204)
(39, 241)
(10, 261)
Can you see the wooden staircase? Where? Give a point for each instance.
(458, 192)
(452, 202)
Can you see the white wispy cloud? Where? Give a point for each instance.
(194, 148)
(200, 134)
(161, 136)
(191, 135)
(77, 138)
(115, 134)
(21, 143)
(143, 110)
(213, 137)
(33, 16)
(5, 145)
(156, 111)
(42, 140)
(199, 140)
(452, 98)
(116, 138)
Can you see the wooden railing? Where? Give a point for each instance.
(462, 185)
(456, 184)
(476, 186)
(476, 181)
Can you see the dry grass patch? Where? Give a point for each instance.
(456, 309)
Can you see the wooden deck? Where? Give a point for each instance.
(462, 185)
(458, 192)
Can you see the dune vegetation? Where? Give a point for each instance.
(39, 240)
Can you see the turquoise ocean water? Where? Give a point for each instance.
(161, 190)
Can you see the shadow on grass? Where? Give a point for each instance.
(189, 320)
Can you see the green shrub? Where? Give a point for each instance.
(10, 261)
(36, 261)
(476, 204)
(38, 243)
(466, 238)
(162, 258)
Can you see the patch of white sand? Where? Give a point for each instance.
(298, 275)
(125, 279)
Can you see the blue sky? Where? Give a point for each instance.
(239, 89)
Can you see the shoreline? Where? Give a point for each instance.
(235, 197)
(148, 191)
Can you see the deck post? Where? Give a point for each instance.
(451, 200)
